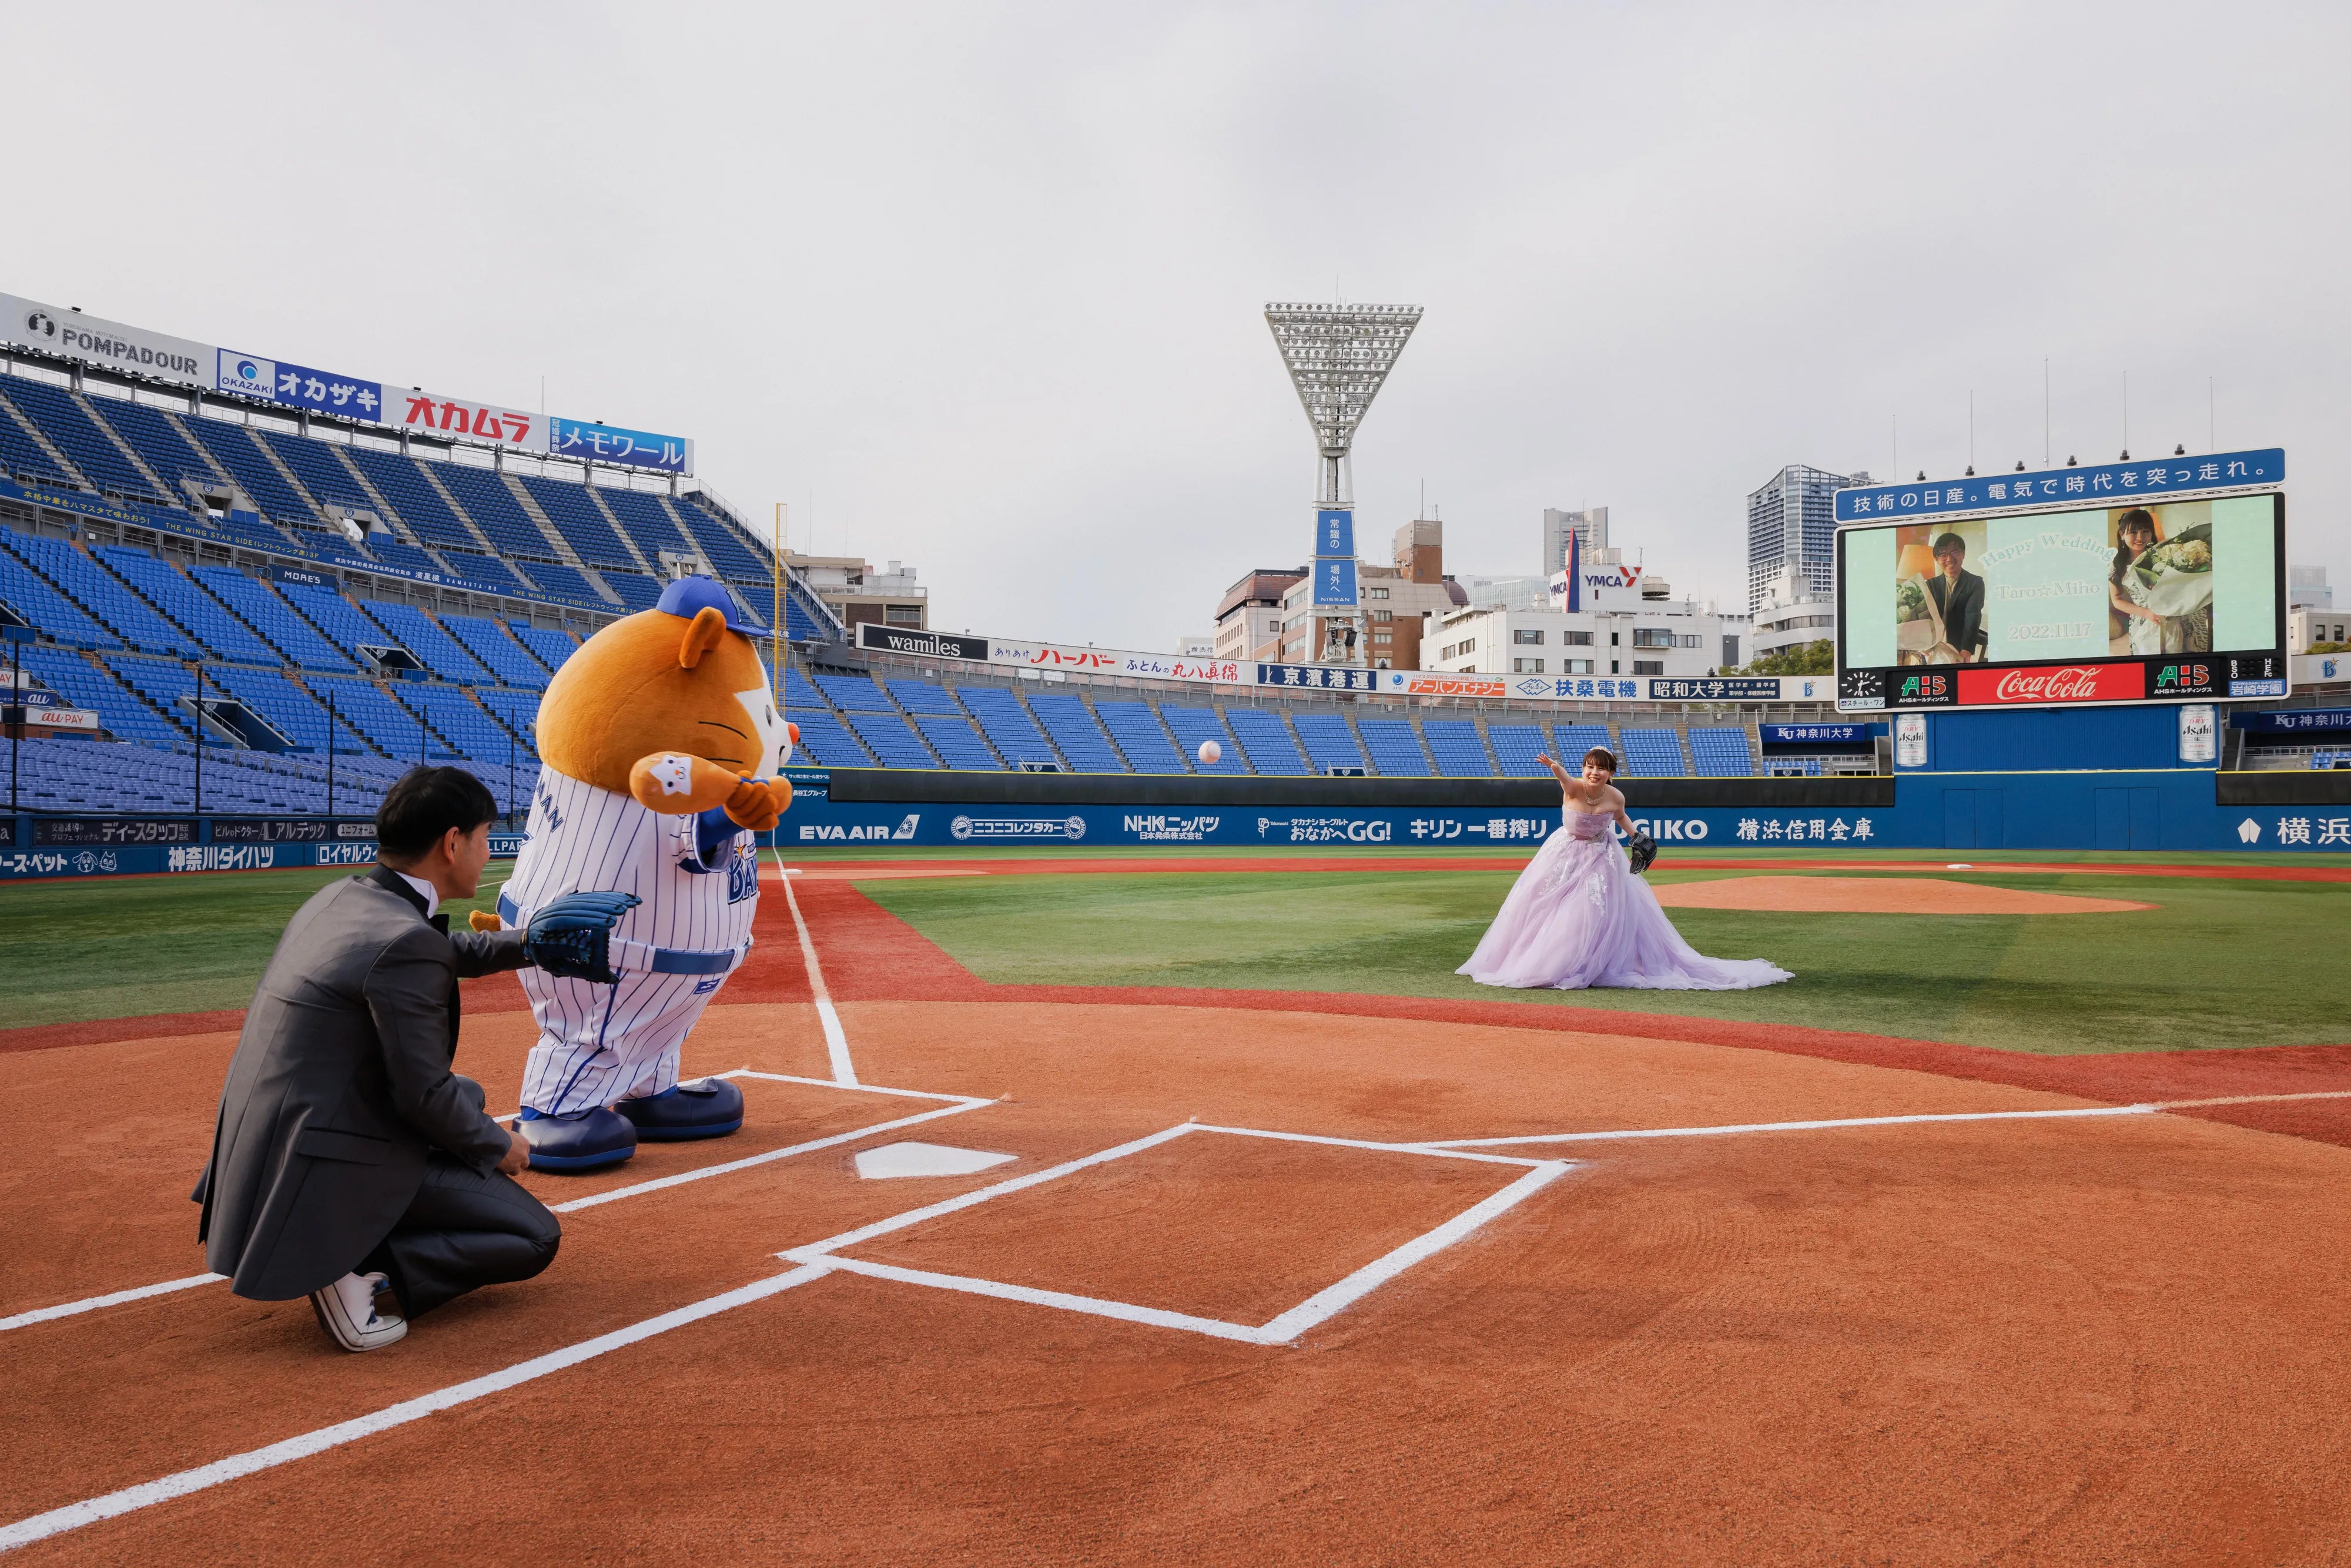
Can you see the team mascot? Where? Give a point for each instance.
(662, 753)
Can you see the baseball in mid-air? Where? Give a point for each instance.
(1209, 752)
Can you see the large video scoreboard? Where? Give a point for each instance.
(2128, 583)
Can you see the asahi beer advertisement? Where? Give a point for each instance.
(2143, 599)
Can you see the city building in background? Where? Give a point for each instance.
(857, 593)
(1395, 601)
(1249, 617)
(1791, 524)
(1627, 622)
(1196, 645)
(1793, 614)
(1506, 593)
(1591, 526)
(2305, 589)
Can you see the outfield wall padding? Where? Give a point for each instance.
(2284, 786)
(889, 785)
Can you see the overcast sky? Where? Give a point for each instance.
(981, 287)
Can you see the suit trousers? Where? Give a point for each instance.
(463, 1230)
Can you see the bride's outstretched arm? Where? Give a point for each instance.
(1573, 788)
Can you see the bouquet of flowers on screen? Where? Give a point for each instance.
(2175, 577)
(1917, 625)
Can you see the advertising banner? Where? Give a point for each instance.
(55, 330)
(2123, 601)
(298, 386)
(2295, 720)
(2199, 733)
(1730, 688)
(1334, 584)
(2109, 484)
(1816, 734)
(423, 412)
(1116, 661)
(1334, 532)
(872, 635)
(609, 444)
(1329, 678)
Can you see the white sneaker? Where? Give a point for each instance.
(347, 1311)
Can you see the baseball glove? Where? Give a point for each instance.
(1643, 851)
(571, 936)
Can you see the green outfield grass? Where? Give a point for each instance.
(129, 947)
(2218, 964)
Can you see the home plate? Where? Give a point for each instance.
(923, 1160)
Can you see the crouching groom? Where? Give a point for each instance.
(349, 1162)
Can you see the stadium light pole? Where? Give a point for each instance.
(1338, 356)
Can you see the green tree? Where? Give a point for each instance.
(1805, 659)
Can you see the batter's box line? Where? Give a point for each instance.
(1284, 1328)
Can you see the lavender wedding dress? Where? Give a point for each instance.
(1578, 916)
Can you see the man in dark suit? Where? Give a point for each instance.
(1958, 599)
(348, 1159)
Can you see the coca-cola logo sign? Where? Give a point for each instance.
(2063, 684)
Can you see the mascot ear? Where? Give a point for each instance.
(704, 633)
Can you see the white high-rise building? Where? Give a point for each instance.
(1791, 522)
(2305, 589)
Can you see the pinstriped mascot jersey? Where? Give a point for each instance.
(661, 748)
(602, 1043)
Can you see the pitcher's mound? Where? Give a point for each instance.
(1877, 895)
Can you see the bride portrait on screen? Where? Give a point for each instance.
(2162, 589)
(1579, 917)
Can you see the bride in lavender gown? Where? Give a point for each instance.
(1578, 916)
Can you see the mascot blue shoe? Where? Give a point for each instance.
(586, 1141)
(696, 1108)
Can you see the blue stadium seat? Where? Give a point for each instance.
(91, 586)
(339, 618)
(1454, 745)
(458, 719)
(518, 711)
(1064, 716)
(644, 519)
(1574, 739)
(190, 607)
(298, 715)
(574, 512)
(166, 683)
(1652, 753)
(232, 447)
(854, 694)
(1267, 740)
(322, 472)
(558, 579)
(420, 636)
(547, 645)
(1516, 745)
(71, 431)
(1719, 751)
(1192, 725)
(258, 605)
(398, 554)
(637, 590)
(1015, 734)
(85, 685)
(38, 601)
(402, 484)
(1329, 742)
(891, 741)
(922, 696)
(22, 457)
(721, 545)
(392, 729)
(1394, 748)
(824, 740)
(1141, 736)
(498, 653)
(957, 744)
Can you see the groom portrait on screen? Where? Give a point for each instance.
(1959, 596)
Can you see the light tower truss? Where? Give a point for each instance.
(1339, 355)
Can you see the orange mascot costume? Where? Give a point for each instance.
(662, 752)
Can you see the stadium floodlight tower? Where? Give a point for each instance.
(1339, 356)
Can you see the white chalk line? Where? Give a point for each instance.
(2146, 1109)
(70, 1309)
(146, 1494)
(1284, 1328)
(836, 1043)
(957, 1102)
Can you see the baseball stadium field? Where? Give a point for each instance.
(1183, 1206)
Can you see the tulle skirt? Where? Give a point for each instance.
(1578, 918)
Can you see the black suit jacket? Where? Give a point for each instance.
(341, 1084)
(1962, 609)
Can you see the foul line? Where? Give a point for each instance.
(146, 1494)
(958, 1103)
(2148, 1108)
(836, 1043)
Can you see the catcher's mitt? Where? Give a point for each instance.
(571, 936)
(1644, 850)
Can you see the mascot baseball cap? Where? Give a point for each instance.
(690, 595)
